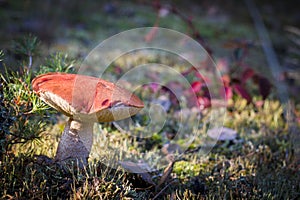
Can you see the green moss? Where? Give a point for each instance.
(260, 164)
(185, 169)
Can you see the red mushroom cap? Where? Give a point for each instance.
(85, 97)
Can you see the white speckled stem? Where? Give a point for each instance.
(76, 142)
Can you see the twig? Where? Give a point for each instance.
(161, 191)
(268, 50)
(195, 33)
(166, 174)
(29, 63)
(276, 72)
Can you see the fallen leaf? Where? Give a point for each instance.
(171, 148)
(140, 167)
(222, 133)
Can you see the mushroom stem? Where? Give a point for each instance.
(76, 141)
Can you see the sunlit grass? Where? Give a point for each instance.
(257, 166)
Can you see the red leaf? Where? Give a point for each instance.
(197, 74)
(247, 73)
(226, 80)
(203, 79)
(228, 93)
(242, 91)
(204, 102)
(196, 86)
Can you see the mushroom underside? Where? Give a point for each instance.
(116, 112)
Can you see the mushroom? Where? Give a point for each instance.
(85, 100)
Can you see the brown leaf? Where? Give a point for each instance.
(140, 168)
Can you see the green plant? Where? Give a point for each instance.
(254, 166)
(23, 116)
(26, 47)
(1, 55)
(57, 62)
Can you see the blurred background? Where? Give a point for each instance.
(70, 26)
(260, 156)
(77, 27)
